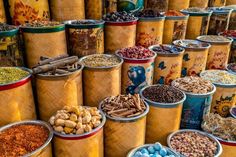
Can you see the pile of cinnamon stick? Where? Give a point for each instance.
(123, 106)
(57, 66)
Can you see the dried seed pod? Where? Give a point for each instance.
(80, 131)
(88, 128)
(70, 124)
(52, 120)
(79, 125)
(68, 130)
(73, 117)
(58, 128)
(60, 122)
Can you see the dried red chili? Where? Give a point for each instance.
(22, 139)
(229, 33)
(136, 52)
(173, 13)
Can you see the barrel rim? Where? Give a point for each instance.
(151, 18)
(219, 84)
(230, 40)
(177, 17)
(230, 7)
(191, 48)
(220, 10)
(220, 149)
(162, 105)
(196, 95)
(125, 120)
(9, 32)
(103, 67)
(124, 23)
(19, 82)
(47, 29)
(169, 54)
(33, 122)
(84, 135)
(98, 24)
(207, 13)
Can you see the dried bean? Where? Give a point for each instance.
(213, 38)
(136, 52)
(191, 44)
(167, 49)
(41, 24)
(149, 13)
(119, 17)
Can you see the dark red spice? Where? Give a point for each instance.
(22, 139)
(174, 13)
(229, 33)
(136, 52)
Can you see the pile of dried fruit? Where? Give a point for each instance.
(213, 38)
(229, 33)
(167, 49)
(232, 67)
(136, 52)
(123, 106)
(149, 13)
(192, 84)
(224, 128)
(12, 74)
(41, 24)
(6, 27)
(76, 120)
(119, 17)
(191, 44)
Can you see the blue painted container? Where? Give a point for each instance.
(130, 5)
(194, 108)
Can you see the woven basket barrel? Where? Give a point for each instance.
(150, 31)
(159, 5)
(23, 11)
(175, 28)
(94, 9)
(55, 92)
(216, 3)
(162, 119)
(47, 41)
(62, 10)
(17, 101)
(119, 35)
(124, 134)
(194, 59)
(178, 4)
(2, 12)
(100, 82)
(232, 21)
(86, 145)
(219, 52)
(228, 148)
(199, 3)
(167, 66)
(198, 24)
(230, 2)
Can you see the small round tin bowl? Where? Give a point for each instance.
(219, 147)
(45, 150)
(133, 151)
(233, 112)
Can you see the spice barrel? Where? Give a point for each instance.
(195, 56)
(219, 51)
(124, 134)
(198, 23)
(230, 2)
(175, 28)
(36, 45)
(23, 11)
(63, 10)
(150, 31)
(159, 5)
(232, 21)
(18, 101)
(167, 64)
(2, 12)
(162, 119)
(217, 3)
(100, 82)
(94, 9)
(178, 4)
(119, 35)
(11, 54)
(89, 144)
(85, 37)
(228, 147)
(43, 151)
(55, 92)
(199, 3)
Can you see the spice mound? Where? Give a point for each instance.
(22, 139)
(194, 85)
(167, 49)
(85, 22)
(174, 13)
(232, 67)
(149, 13)
(196, 10)
(136, 52)
(192, 144)
(224, 128)
(191, 44)
(123, 106)
(101, 61)
(41, 24)
(163, 94)
(119, 17)
(229, 33)
(213, 38)
(219, 76)
(12, 74)
(76, 120)
(6, 27)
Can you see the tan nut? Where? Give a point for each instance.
(80, 131)
(68, 130)
(87, 128)
(73, 117)
(60, 122)
(70, 124)
(79, 125)
(52, 120)
(96, 124)
(58, 129)
(87, 118)
(63, 116)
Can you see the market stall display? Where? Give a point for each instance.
(149, 28)
(224, 97)
(164, 117)
(219, 51)
(195, 56)
(168, 63)
(126, 119)
(10, 53)
(85, 37)
(78, 131)
(62, 10)
(16, 91)
(101, 77)
(198, 101)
